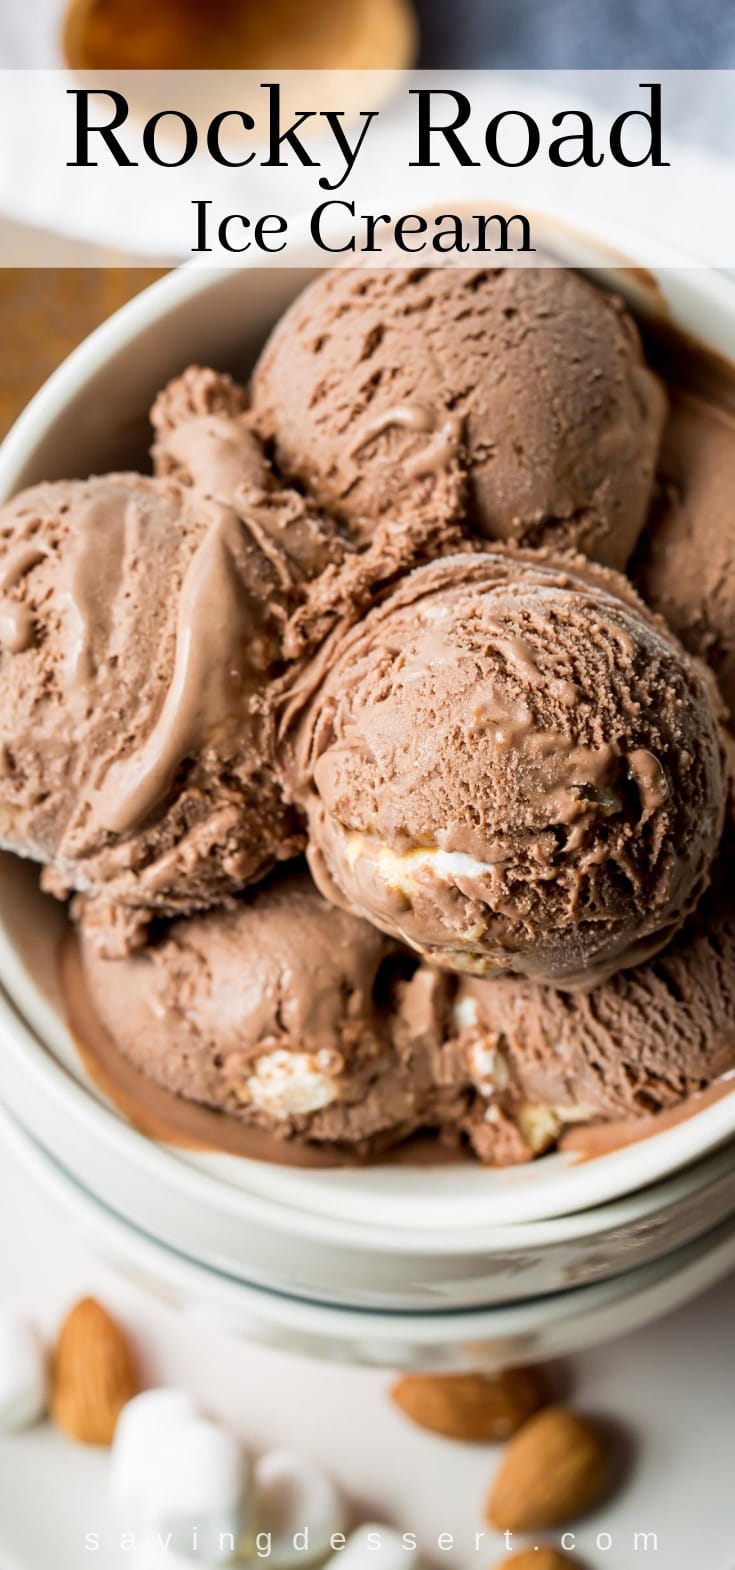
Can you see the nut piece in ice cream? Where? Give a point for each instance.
(512, 767)
(287, 1013)
(140, 626)
(639, 1043)
(520, 395)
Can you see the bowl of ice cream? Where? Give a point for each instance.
(390, 812)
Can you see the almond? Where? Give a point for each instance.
(475, 1407)
(93, 1374)
(539, 1559)
(554, 1469)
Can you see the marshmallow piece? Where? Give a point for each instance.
(286, 1084)
(23, 1375)
(196, 1494)
(298, 1506)
(143, 1427)
(374, 1547)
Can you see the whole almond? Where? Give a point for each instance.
(93, 1374)
(539, 1559)
(554, 1470)
(474, 1407)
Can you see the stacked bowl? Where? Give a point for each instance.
(443, 1265)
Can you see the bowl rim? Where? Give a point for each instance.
(597, 1183)
(85, 1111)
(714, 1251)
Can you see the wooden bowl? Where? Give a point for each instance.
(281, 35)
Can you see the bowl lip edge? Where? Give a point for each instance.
(651, 1277)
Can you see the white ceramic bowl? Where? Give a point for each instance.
(487, 1338)
(389, 1235)
(211, 1209)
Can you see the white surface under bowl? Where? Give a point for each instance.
(91, 416)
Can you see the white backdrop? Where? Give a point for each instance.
(671, 1388)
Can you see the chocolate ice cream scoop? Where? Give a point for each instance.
(140, 625)
(686, 565)
(204, 436)
(283, 1011)
(511, 766)
(638, 1044)
(519, 395)
(205, 441)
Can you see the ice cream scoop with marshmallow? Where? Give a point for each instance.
(513, 767)
(290, 1014)
(641, 1043)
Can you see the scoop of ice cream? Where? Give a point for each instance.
(640, 1043)
(287, 1013)
(140, 625)
(204, 437)
(512, 766)
(386, 390)
(686, 565)
(205, 441)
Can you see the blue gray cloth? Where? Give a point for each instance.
(577, 34)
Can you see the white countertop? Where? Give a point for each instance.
(672, 1388)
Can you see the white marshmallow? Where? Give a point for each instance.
(374, 1547)
(144, 1425)
(286, 1084)
(465, 1013)
(298, 1506)
(23, 1374)
(399, 868)
(487, 1067)
(196, 1496)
